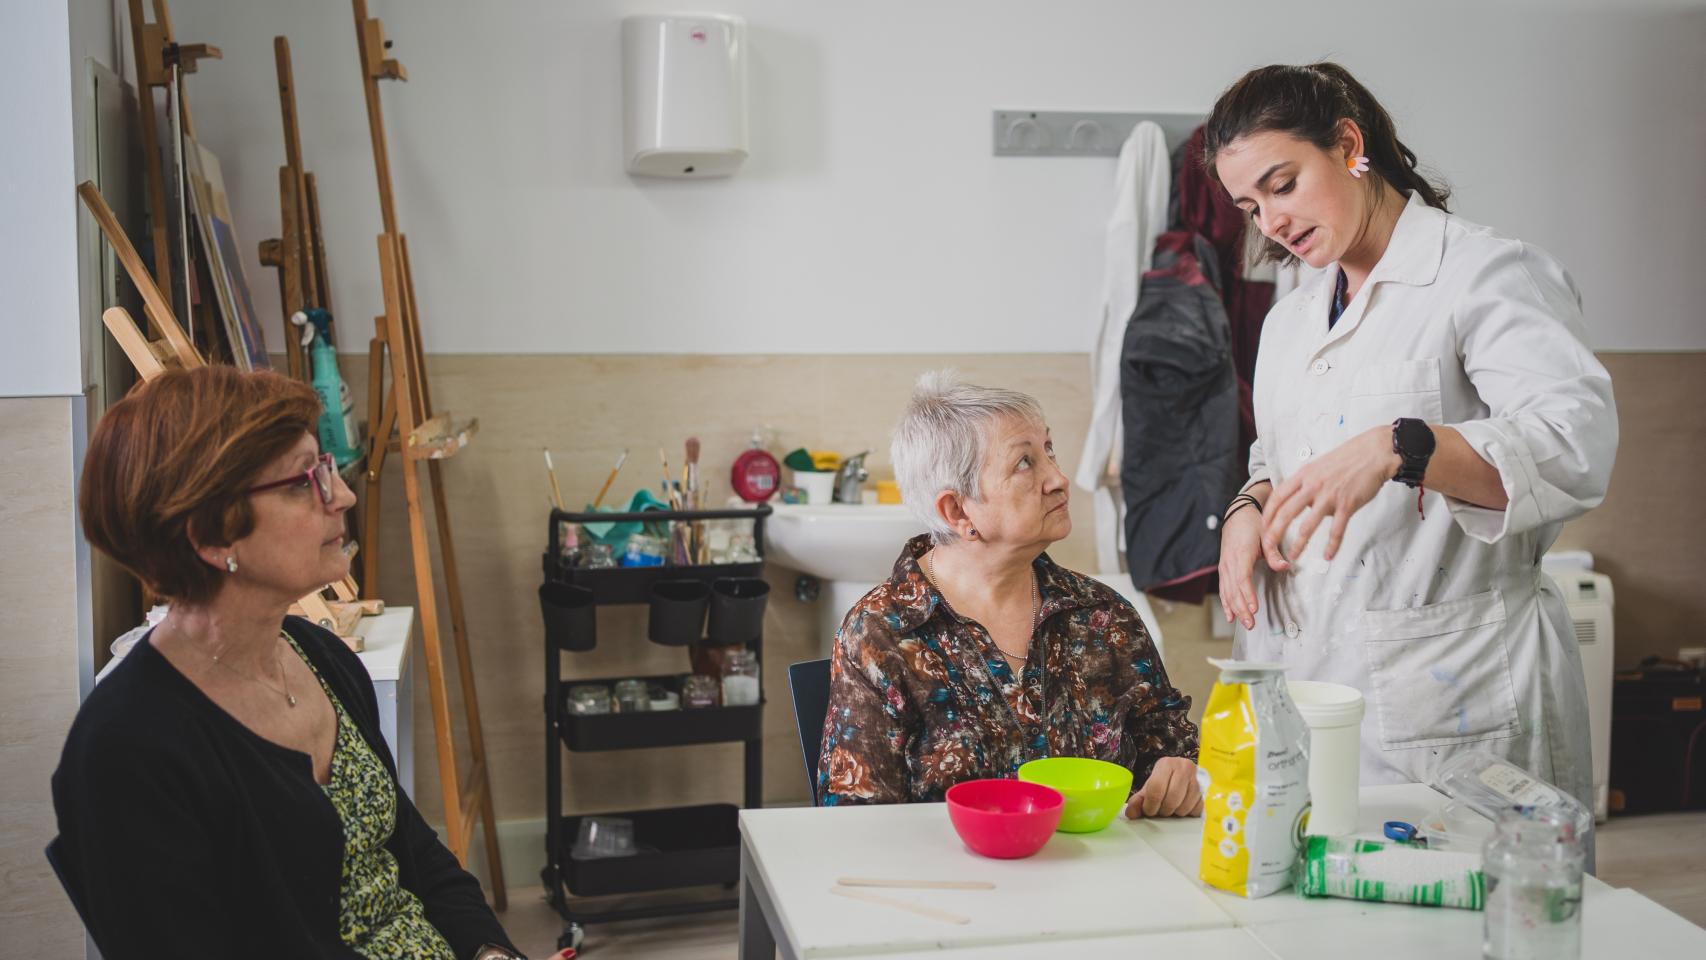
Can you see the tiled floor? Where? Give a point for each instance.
(1661, 856)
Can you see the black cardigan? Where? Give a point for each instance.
(189, 835)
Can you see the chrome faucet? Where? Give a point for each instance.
(850, 476)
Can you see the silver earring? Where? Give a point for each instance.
(230, 564)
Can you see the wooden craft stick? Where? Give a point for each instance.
(942, 915)
(916, 884)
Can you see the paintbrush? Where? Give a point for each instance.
(607, 480)
(550, 471)
(668, 493)
(693, 471)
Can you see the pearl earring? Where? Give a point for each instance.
(230, 564)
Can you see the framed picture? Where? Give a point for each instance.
(223, 255)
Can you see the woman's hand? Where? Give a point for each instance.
(1240, 547)
(1339, 484)
(1172, 791)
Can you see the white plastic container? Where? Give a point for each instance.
(1334, 714)
(818, 485)
(684, 95)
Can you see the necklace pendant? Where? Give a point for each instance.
(291, 699)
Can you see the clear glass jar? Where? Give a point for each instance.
(569, 540)
(590, 698)
(1533, 863)
(740, 679)
(632, 696)
(595, 554)
(742, 549)
(699, 690)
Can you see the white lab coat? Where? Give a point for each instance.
(1446, 624)
(1142, 180)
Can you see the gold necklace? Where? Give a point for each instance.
(1036, 601)
(283, 679)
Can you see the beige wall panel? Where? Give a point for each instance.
(38, 665)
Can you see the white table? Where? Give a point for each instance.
(386, 657)
(1129, 890)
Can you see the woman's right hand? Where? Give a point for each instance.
(1240, 549)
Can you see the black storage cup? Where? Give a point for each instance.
(678, 612)
(737, 609)
(571, 620)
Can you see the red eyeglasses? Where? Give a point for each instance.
(320, 476)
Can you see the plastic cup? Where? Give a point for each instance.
(818, 486)
(677, 612)
(737, 610)
(1334, 714)
(571, 621)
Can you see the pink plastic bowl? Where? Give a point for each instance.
(1004, 819)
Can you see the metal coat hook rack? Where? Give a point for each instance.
(1068, 133)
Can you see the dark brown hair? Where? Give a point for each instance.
(1308, 102)
(171, 461)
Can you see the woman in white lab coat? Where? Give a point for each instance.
(1428, 417)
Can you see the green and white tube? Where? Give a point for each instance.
(1391, 872)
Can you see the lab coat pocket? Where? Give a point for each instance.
(1440, 673)
(1381, 393)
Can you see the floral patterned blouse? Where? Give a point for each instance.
(377, 917)
(920, 698)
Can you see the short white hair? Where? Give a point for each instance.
(940, 441)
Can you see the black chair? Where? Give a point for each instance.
(808, 681)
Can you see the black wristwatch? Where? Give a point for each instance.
(1414, 443)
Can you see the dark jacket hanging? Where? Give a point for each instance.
(1179, 400)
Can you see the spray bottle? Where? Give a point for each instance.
(337, 410)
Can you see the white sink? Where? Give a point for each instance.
(839, 541)
(851, 547)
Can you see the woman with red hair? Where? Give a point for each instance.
(226, 790)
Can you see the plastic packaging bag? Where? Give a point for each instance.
(1390, 872)
(1254, 771)
(1491, 785)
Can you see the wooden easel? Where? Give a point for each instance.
(175, 351)
(159, 60)
(402, 418)
(298, 252)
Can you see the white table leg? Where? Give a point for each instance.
(757, 914)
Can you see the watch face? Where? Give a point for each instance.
(1414, 438)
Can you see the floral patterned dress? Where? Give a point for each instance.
(377, 917)
(921, 698)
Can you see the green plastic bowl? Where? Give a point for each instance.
(1095, 790)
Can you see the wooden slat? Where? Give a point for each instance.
(154, 302)
(146, 47)
(133, 343)
(370, 42)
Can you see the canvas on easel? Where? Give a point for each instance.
(225, 263)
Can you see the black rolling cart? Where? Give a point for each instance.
(677, 846)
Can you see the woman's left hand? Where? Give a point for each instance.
(1337, 485)
(1171, 791)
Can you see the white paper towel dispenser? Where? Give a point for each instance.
(684, 95)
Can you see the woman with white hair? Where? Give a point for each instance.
(980, 653)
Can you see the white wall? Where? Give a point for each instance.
(871, 216)
(41, 354)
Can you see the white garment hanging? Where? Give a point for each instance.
(1142, 179)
